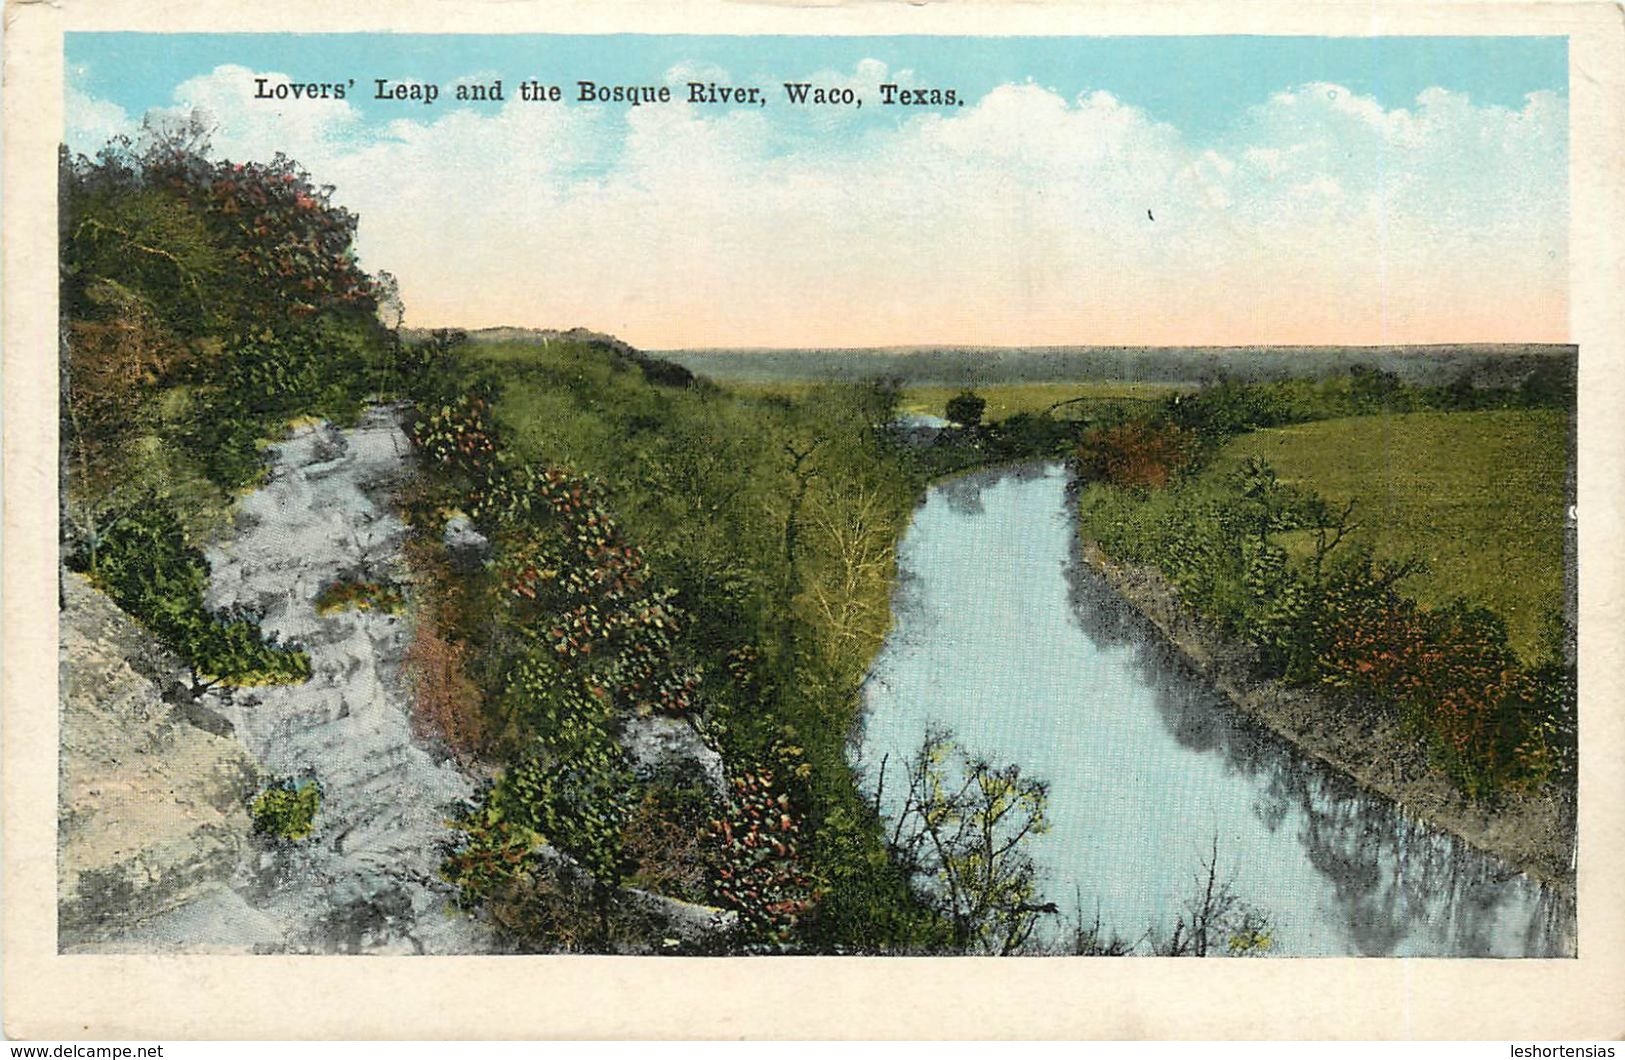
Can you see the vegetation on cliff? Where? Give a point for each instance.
(205, 304)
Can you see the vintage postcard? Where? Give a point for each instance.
(815, 490)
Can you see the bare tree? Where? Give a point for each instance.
(1216, 920)
(862, 550)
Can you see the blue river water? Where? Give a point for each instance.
(1003, 635)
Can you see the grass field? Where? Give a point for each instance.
(1007, 399)
(1479, 496)
(1003, 399)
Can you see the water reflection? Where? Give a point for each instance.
(1004, 634)
(1389, 874)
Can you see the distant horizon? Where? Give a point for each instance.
(958, 346)
(891, 347)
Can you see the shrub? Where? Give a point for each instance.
(538, 903)
(965, 409)
(360, 594)
(488, 855)
(665, 839)
(579, 803)
(760, 872)
(458, 435)
(1139, 454)
(445, 702)
(139, 556)
(1449, 674)
(553, 705)
(262, 380)
(287, 809)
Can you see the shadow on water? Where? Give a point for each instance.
(963, 493)
(1392, 877)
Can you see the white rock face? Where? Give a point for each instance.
(368, 879)
(151, 808)
(655, 742)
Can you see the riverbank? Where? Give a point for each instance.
(1527, 833)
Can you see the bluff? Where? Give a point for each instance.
(153, 790)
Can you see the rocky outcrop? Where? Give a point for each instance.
(467, 548)
(368, 879)
(656, 743)
(153, 797)
(158, 853)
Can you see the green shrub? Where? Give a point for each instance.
(965, 409)
(760, 871)
(489, 854)
(287, 809)
(360, 594)
(579, 803)
(140, 557)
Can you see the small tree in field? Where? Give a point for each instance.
(965, 409)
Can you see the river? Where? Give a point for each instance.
(1002, 634)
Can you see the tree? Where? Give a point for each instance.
(391, 309)
(849, 590)
(961, 834)
(1216, 920)
(1139, 454)
(965, 409)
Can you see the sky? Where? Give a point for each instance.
(1138, 191)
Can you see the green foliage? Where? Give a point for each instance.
(230, 285)
(287, 809)
(290, 248)
(760, 871)
(155, 247)
(579, 803)
(962, 833)
(140, 557)
(458, 435)
(965, 409)
(260, 382)
(553, 705)
(489, 854)
(360, 594)
(666, 832)
(1026, 435)
(1288, 572)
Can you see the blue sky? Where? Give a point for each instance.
(1203, 85)
(1114, 190)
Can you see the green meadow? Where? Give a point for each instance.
(1479, 497)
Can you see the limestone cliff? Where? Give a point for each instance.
(152, 799)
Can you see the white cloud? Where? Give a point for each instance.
(1020, 217)
(90, 123)
(250, 127)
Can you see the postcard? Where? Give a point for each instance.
(887, 522)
